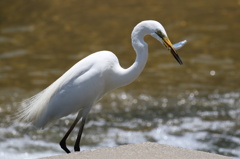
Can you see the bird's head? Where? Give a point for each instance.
(156, 30)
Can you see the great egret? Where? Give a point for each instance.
(89, 80)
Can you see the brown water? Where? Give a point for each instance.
(194, 106)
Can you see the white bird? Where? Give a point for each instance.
(84, 84)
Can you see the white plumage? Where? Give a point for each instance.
(87, 81)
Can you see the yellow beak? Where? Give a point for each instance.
(169, 46)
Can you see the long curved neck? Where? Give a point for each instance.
(127, 76)
(141, 49)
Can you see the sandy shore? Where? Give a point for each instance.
(146, 150)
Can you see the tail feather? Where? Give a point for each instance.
(33, 108)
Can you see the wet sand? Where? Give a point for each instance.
(147, 150)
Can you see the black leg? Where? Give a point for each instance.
(63, 141)
(77, 143)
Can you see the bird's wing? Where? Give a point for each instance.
(34, 107)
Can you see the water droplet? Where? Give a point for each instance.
(212, 73)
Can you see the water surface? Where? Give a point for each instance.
(193, 106)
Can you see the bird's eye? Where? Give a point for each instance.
(160, 34)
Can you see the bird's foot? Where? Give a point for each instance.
(64, 147)
(76, 148)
